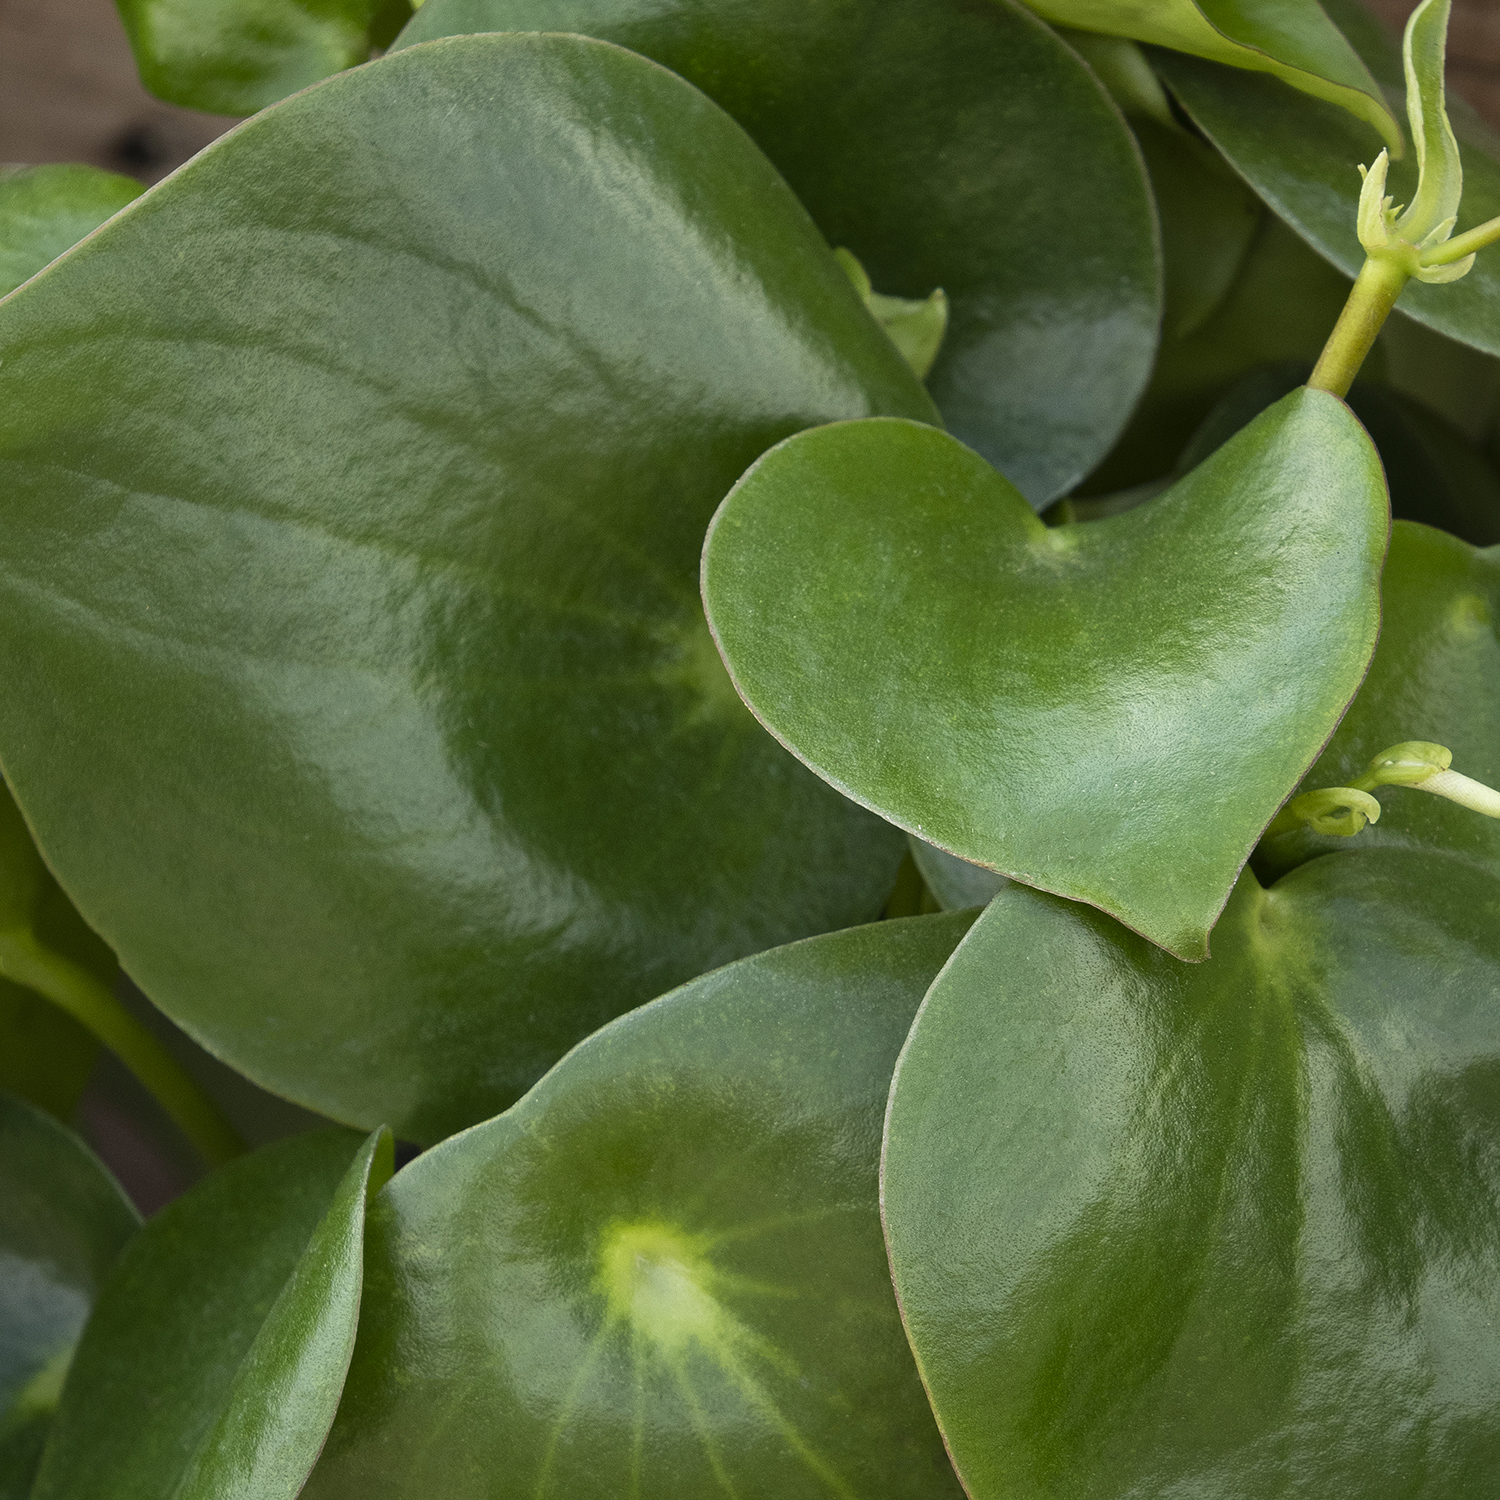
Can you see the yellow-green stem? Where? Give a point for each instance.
(76, 991)
(1371, 299)
(1467, 243)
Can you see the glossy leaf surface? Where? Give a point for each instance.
(1225, 1230)
(929, 138)
(660, 1273)
(1301, 155)
(233, 57)
(45, 210)
(1435, 676)
(955, 883)
(63, 1221)
(1296, 44)
(213, 1363)
(1113, 711)
(365, 605)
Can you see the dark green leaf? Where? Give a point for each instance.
(46, 210)
(660, 1274)
(1110, 711)
(1435, 677)
(1229, 1230)
(233, 57)
(955, 883)
(63, 1220)
(365, 604)
(1301, 155)
(930, 137)
(45, 1055)
(1297, 44)
(213, 1363)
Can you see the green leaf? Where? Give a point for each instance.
(46, 210)
(45, 1055)
(1296, 44)
(1301, 156)
(63, 1220)
(1229, 1230)
(365, 605)
(1440, 173)
(233, 57)
(1436, 677)
(212, 1366)
(955, 883)
(1110, 711)
(660, 1273)
(929, 138)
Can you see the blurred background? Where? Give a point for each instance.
(69, 93)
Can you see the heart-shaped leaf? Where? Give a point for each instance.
(1435, 677)
(212, 1366)
(1301, 156)
(1110, 711)
(233, 57)
(660, 1273)
(45, 210)
(1296, 44)
(1229, 1230)
(929, 137)
(351, 567)
(63, 1220)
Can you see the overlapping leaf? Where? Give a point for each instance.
(354, 482)
(1229, 1230)
(233, 57)
(930, 137)
(1113, 711)
(45, 210)
(1297, 44)
(63, 1221)
(660, 1273)
(212, 1366)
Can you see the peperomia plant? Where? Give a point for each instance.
(773, 633)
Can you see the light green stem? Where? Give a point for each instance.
(1371, 299)
(76, 991)
(1463, 244)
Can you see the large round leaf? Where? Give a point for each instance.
(1435, 677)
(353, 486)
(1301, 155)
(1229, 1230)
(213, 1363)
(63, 1220)
(660, 1273)
(45, 210)
(930, 138)
(1110, 711)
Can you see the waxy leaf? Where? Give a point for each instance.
(1301, 156)
(1435, 677)
(660, 1273)
(1110, 711)
(1296, 44)
(45, 210)
(233, 57)
(63, 1220)
(212, 1366)
(351, 565)
(955, 883)
(1228, 1230)
(929, 137)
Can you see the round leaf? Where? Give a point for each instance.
(1435, 677)
(45, 210)
(233, 57)
(1110, 711)
(929, 137)
(212, 1366)
(363, 598)
(1229, 1230)
(660, 1273)
(63, 1220)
